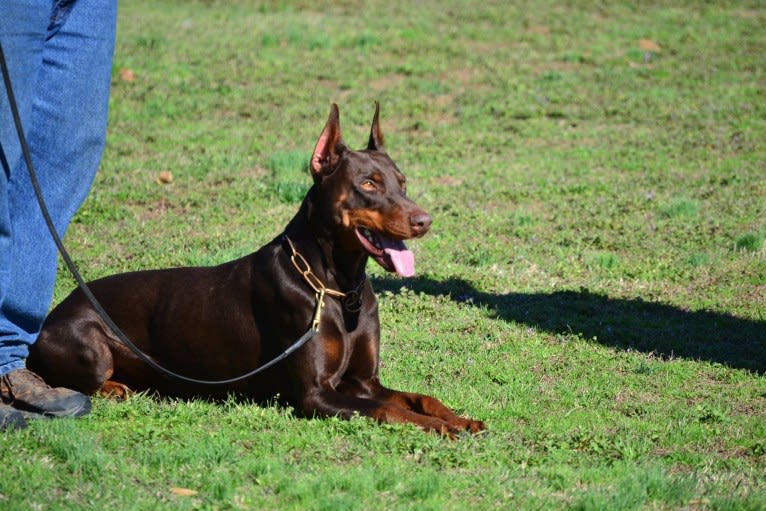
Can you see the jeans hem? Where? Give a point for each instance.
(12, 366)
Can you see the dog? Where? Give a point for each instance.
(219, 322)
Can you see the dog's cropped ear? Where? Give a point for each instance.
(376, 142)
(329, 147)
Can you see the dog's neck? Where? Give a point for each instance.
(341, 268)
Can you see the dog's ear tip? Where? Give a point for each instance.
(376, 141)
(334, 117)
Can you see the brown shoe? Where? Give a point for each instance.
(25, 391)
(11, 418)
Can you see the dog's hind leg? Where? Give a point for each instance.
(74, 354)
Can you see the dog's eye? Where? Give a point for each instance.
(368, 185)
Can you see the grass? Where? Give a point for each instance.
(594, 285)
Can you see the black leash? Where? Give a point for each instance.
(89, 295)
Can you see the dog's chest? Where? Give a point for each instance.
(348, 342)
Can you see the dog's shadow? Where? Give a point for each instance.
(664, 330)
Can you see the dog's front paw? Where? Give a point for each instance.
(470, 425)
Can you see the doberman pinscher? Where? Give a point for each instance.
(222, 321)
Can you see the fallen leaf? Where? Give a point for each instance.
(649, 45)
(127, 75)
(183, 492)
(165, 177)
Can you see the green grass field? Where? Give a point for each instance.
(593, 287)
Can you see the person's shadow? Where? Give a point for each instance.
(635, 324)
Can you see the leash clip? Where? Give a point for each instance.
(318, 311)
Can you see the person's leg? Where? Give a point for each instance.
(64, 107)
(23, 29)
(66, 130)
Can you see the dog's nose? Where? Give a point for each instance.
(420, 223)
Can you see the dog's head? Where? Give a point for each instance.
(365, 194)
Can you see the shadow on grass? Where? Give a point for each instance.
(664, 330)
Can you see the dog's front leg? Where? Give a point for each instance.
(431, 406)
(419, 404)
(330, 402)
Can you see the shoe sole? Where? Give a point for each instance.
(81, 410)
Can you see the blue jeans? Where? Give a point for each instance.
(59, 54)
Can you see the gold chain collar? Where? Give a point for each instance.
(352, 300)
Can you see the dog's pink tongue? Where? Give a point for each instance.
(402, 259)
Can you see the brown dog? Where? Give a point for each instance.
(222, 321)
